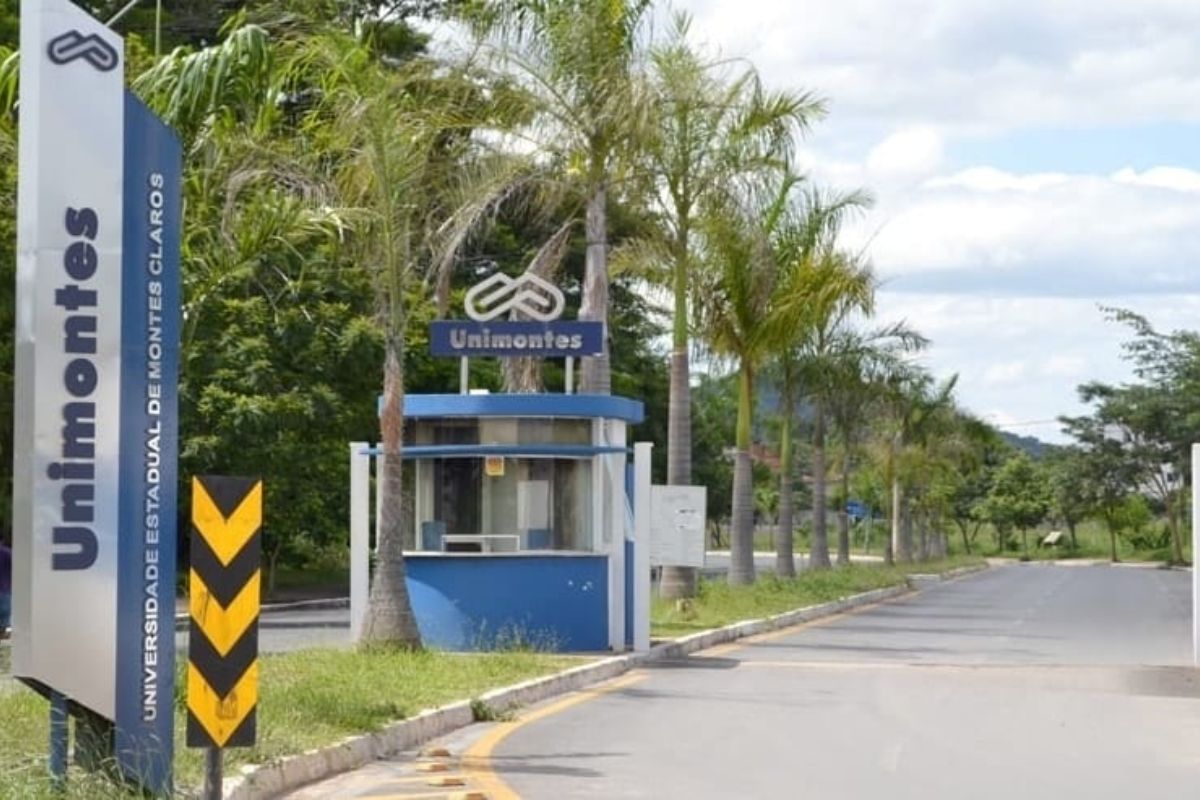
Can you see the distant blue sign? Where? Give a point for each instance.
(512, 339)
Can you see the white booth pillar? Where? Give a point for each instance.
(360, 534)
(641, 545)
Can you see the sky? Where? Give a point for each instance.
(1032, 162)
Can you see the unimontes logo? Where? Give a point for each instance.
(73, 45)
(535, 297)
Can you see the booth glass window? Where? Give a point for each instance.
(501, 504)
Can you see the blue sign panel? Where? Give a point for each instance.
(511, 339)
(150, 309)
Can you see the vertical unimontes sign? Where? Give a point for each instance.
(97, 342)
(224, 587)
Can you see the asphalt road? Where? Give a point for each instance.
(1031, 682)
(1023, 682)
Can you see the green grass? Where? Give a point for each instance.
(1093, 542)
(309, 698)
(718, 603)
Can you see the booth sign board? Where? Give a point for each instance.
(538, 333)
(97, 340)
(677, 522)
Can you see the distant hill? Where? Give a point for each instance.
(1035, 447)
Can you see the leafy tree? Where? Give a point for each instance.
(963, 489)
(1109, 471)
(1069, 489)
(1157, 416)
(1019, 497)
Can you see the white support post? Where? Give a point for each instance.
(360, 535)
(1195, 550)
(641, 545)
(569, 383)
(464, 375)
(613, 516)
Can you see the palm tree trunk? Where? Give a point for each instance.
(923, 539)
(905, 552)
(679, 582)
(893, 545)
(819, 557)
(785, 559)
(1176, 535)
(389, 618)
(1112, 535)
(741, 567)
(596, 373)
(843, 556)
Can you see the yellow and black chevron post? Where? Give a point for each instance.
(222, 681)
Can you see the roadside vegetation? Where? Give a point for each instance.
(718, 603)
(309, 699)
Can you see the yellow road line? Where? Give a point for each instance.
(477, 761)
(425, 796)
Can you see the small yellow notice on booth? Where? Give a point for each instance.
(493, 466)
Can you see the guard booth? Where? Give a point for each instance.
(522, 513)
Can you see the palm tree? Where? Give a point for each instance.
(861, 363)
(577, 60)
(391, 147)
(757, 290)
(711, 122)
(805, 350)
(916, 404)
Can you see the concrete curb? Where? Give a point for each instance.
(258, 782)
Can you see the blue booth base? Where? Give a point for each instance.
(549, 601)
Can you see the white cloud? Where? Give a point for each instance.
(976, 64)
(1064, 367)
(982, 230)
(1175, 179)
(1021, 359)
(1004, 373)
(914, 151)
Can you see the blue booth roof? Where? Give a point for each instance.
(426, 406)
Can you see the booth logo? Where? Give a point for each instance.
(73, 45)
(534, 297)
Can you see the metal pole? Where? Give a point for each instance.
(1195, 550)
(115, 18)
(158, 31)
(212, 773)
(464, 376)
(570, 376)
(59, 740)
